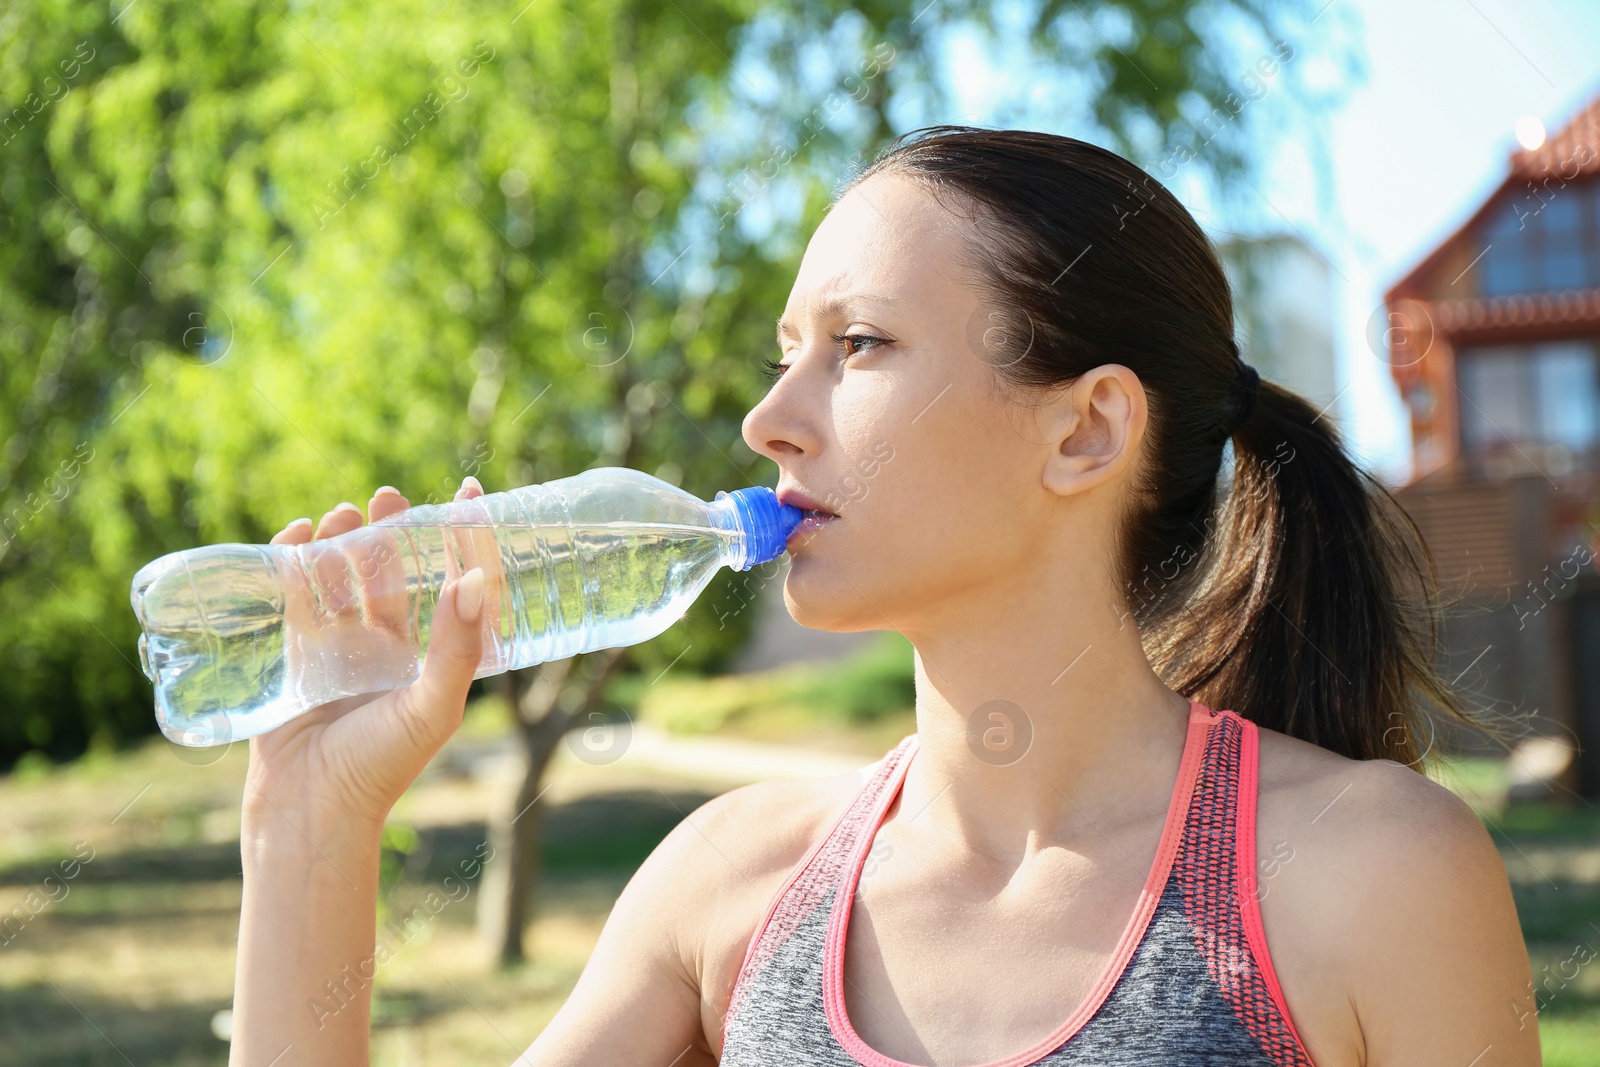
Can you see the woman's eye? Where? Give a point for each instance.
(866, 340)
(774, 369)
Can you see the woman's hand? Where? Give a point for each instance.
(353, 758)
(320, 785)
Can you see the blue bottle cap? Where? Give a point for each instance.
(767, 523)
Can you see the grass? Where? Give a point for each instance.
(862, 703)
(129, 957)
(134, 958)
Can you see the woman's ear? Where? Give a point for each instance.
(1092, 428)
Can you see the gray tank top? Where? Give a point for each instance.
(1189, 983)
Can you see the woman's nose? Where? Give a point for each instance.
(779, 426)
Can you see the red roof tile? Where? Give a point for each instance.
(1575, 144)
(1576, 307)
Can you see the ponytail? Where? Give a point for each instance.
(1317, 613)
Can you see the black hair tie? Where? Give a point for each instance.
(1242, 397)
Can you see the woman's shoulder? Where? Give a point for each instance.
(678, 931)
(715, 874)
(1382, 804)
(1376, 884)
(769, 825)
(1378, 825)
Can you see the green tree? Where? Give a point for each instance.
(257, 257)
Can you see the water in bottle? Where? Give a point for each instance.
(240, 638)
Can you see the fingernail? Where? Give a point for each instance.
(388, 489)
(347, 504)
(469, 480)
(297, 522)
(469, 595)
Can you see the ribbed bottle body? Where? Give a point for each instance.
(240, 638)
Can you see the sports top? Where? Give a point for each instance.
(1190, 981)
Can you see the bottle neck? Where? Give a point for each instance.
(725, 515)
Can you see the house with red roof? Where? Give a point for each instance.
(1494, 342)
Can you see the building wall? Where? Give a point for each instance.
(1504, 640)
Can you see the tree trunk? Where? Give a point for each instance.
(544, 701)
(547, 700)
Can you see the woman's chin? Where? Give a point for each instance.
(819, 598)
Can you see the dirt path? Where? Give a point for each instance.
(473, 778)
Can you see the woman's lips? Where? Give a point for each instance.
(808, 526)
(815, 515)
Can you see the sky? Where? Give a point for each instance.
(1413, 150)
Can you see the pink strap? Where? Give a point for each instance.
(1246, 879)
(886, 767)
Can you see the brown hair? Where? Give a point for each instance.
(1304, 599)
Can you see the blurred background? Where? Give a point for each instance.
(260, 257)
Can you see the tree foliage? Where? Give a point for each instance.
(257, 257)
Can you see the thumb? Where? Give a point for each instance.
(455, 649)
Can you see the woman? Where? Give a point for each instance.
(1162, 805)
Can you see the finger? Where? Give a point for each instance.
(474, 541)
(477, 541)
(342, 519)
(387, 596)
(297, 532)
(433, 704)
(329, 565)
(461, 531)
(385, 502)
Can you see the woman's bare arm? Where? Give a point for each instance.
(656, 987)
(306, 950)
(303, 990)
(316, 795)
(1440, 970)
(638, 1001)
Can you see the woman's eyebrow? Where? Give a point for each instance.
(836, 306)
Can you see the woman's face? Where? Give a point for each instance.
(887, 413)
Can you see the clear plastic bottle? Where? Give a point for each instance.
(240, 638)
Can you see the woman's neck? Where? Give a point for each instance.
(1035, 733)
